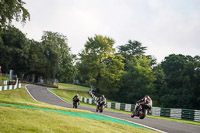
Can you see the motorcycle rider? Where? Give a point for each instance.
(146, 100)
(101, 100)
(76, 99)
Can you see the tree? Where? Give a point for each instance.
(130, 50)
(14, 51)
(182, 77)
(133, 48)
(12, 9)
(100, 64)
(138, 80)
(36, 60)
(159, 84)
(59, 60)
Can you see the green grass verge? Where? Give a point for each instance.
(14, 119)
(4, 78)
(19, 120)
(23, 84)
(71, 86)
(67, 95)
(21, 97)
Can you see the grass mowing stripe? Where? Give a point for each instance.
(85, 115)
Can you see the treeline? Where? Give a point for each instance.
(31, 60)
(124, 74)
(128, 74)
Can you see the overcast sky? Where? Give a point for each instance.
(163, 26)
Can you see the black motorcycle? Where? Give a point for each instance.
(140, 111)
(75, 102)
(100, 106)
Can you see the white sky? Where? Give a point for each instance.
(163, 26)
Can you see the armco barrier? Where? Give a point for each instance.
(118, 106)
(186, 114)
(175, 113)
(156, 111)
(197, 115)
(10, 87)
(165, 112)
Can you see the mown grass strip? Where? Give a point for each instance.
(21, 120)
(85, 115)
(21, 97)
(71, 86)
(15, 119)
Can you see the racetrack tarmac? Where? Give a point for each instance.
(42, 94)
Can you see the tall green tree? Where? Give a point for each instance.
(138, 80)
(14, 51)
(134, 49)
(12, 9)
(36, 60)
(159, 84)
(182, 77)
(59, 60)
(100, 64)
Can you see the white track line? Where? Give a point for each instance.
(30, 94)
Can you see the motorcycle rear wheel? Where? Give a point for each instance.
(143, 114)
(101, 109)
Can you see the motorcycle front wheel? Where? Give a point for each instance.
(75, 105)
(132, 115)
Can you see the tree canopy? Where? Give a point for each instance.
(12, 9)
(182, 77)
(100, 64)
(49, 59)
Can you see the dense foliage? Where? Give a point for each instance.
(102, 67)
(32, 60)
(172, 83)
(181, 88)
(12, 9)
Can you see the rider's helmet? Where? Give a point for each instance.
(146, 96)
(102, 96)
(77, 95)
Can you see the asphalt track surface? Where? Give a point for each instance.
(42, 94)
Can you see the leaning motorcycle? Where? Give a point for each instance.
(140, 111)
(100, 106)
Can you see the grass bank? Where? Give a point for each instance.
(14, 119)
(67, 95)
(21, 97)
(71, 86)
(19, 120)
